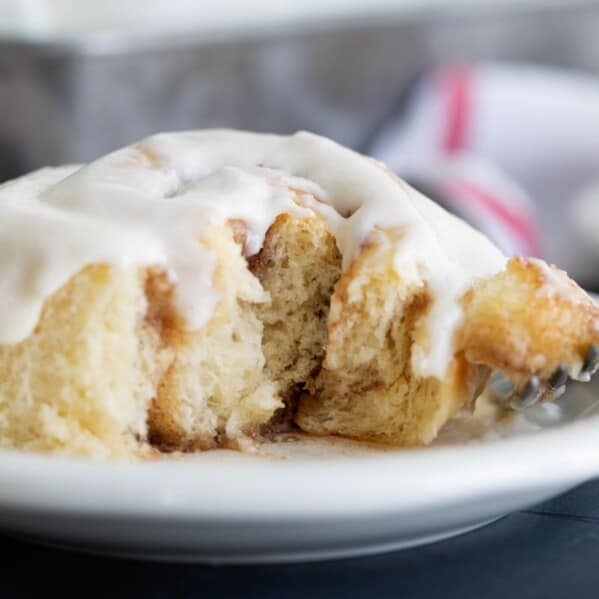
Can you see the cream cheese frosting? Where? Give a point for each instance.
(152, 203)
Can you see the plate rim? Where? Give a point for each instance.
(372, 483)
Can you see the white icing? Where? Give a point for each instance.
(154, 202)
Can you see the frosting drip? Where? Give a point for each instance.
(152, 204)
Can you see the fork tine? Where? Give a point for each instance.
(501, 387)
(591, 363)
(527, 395)
(559, 378)
(556, 385)
(533, 390)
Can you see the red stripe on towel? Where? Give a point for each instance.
(518, 221)
(456, 90)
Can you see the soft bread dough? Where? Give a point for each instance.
(209, 288)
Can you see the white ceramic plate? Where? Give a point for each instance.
(304, 499)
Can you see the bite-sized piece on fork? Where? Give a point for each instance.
(536, 326)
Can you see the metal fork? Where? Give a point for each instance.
(534, 390)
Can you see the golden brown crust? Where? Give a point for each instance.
(527, 320)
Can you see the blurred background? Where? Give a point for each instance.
(490, 107)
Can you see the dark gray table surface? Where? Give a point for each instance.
(551, 550)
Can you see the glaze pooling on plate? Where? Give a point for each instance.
(152, 204)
